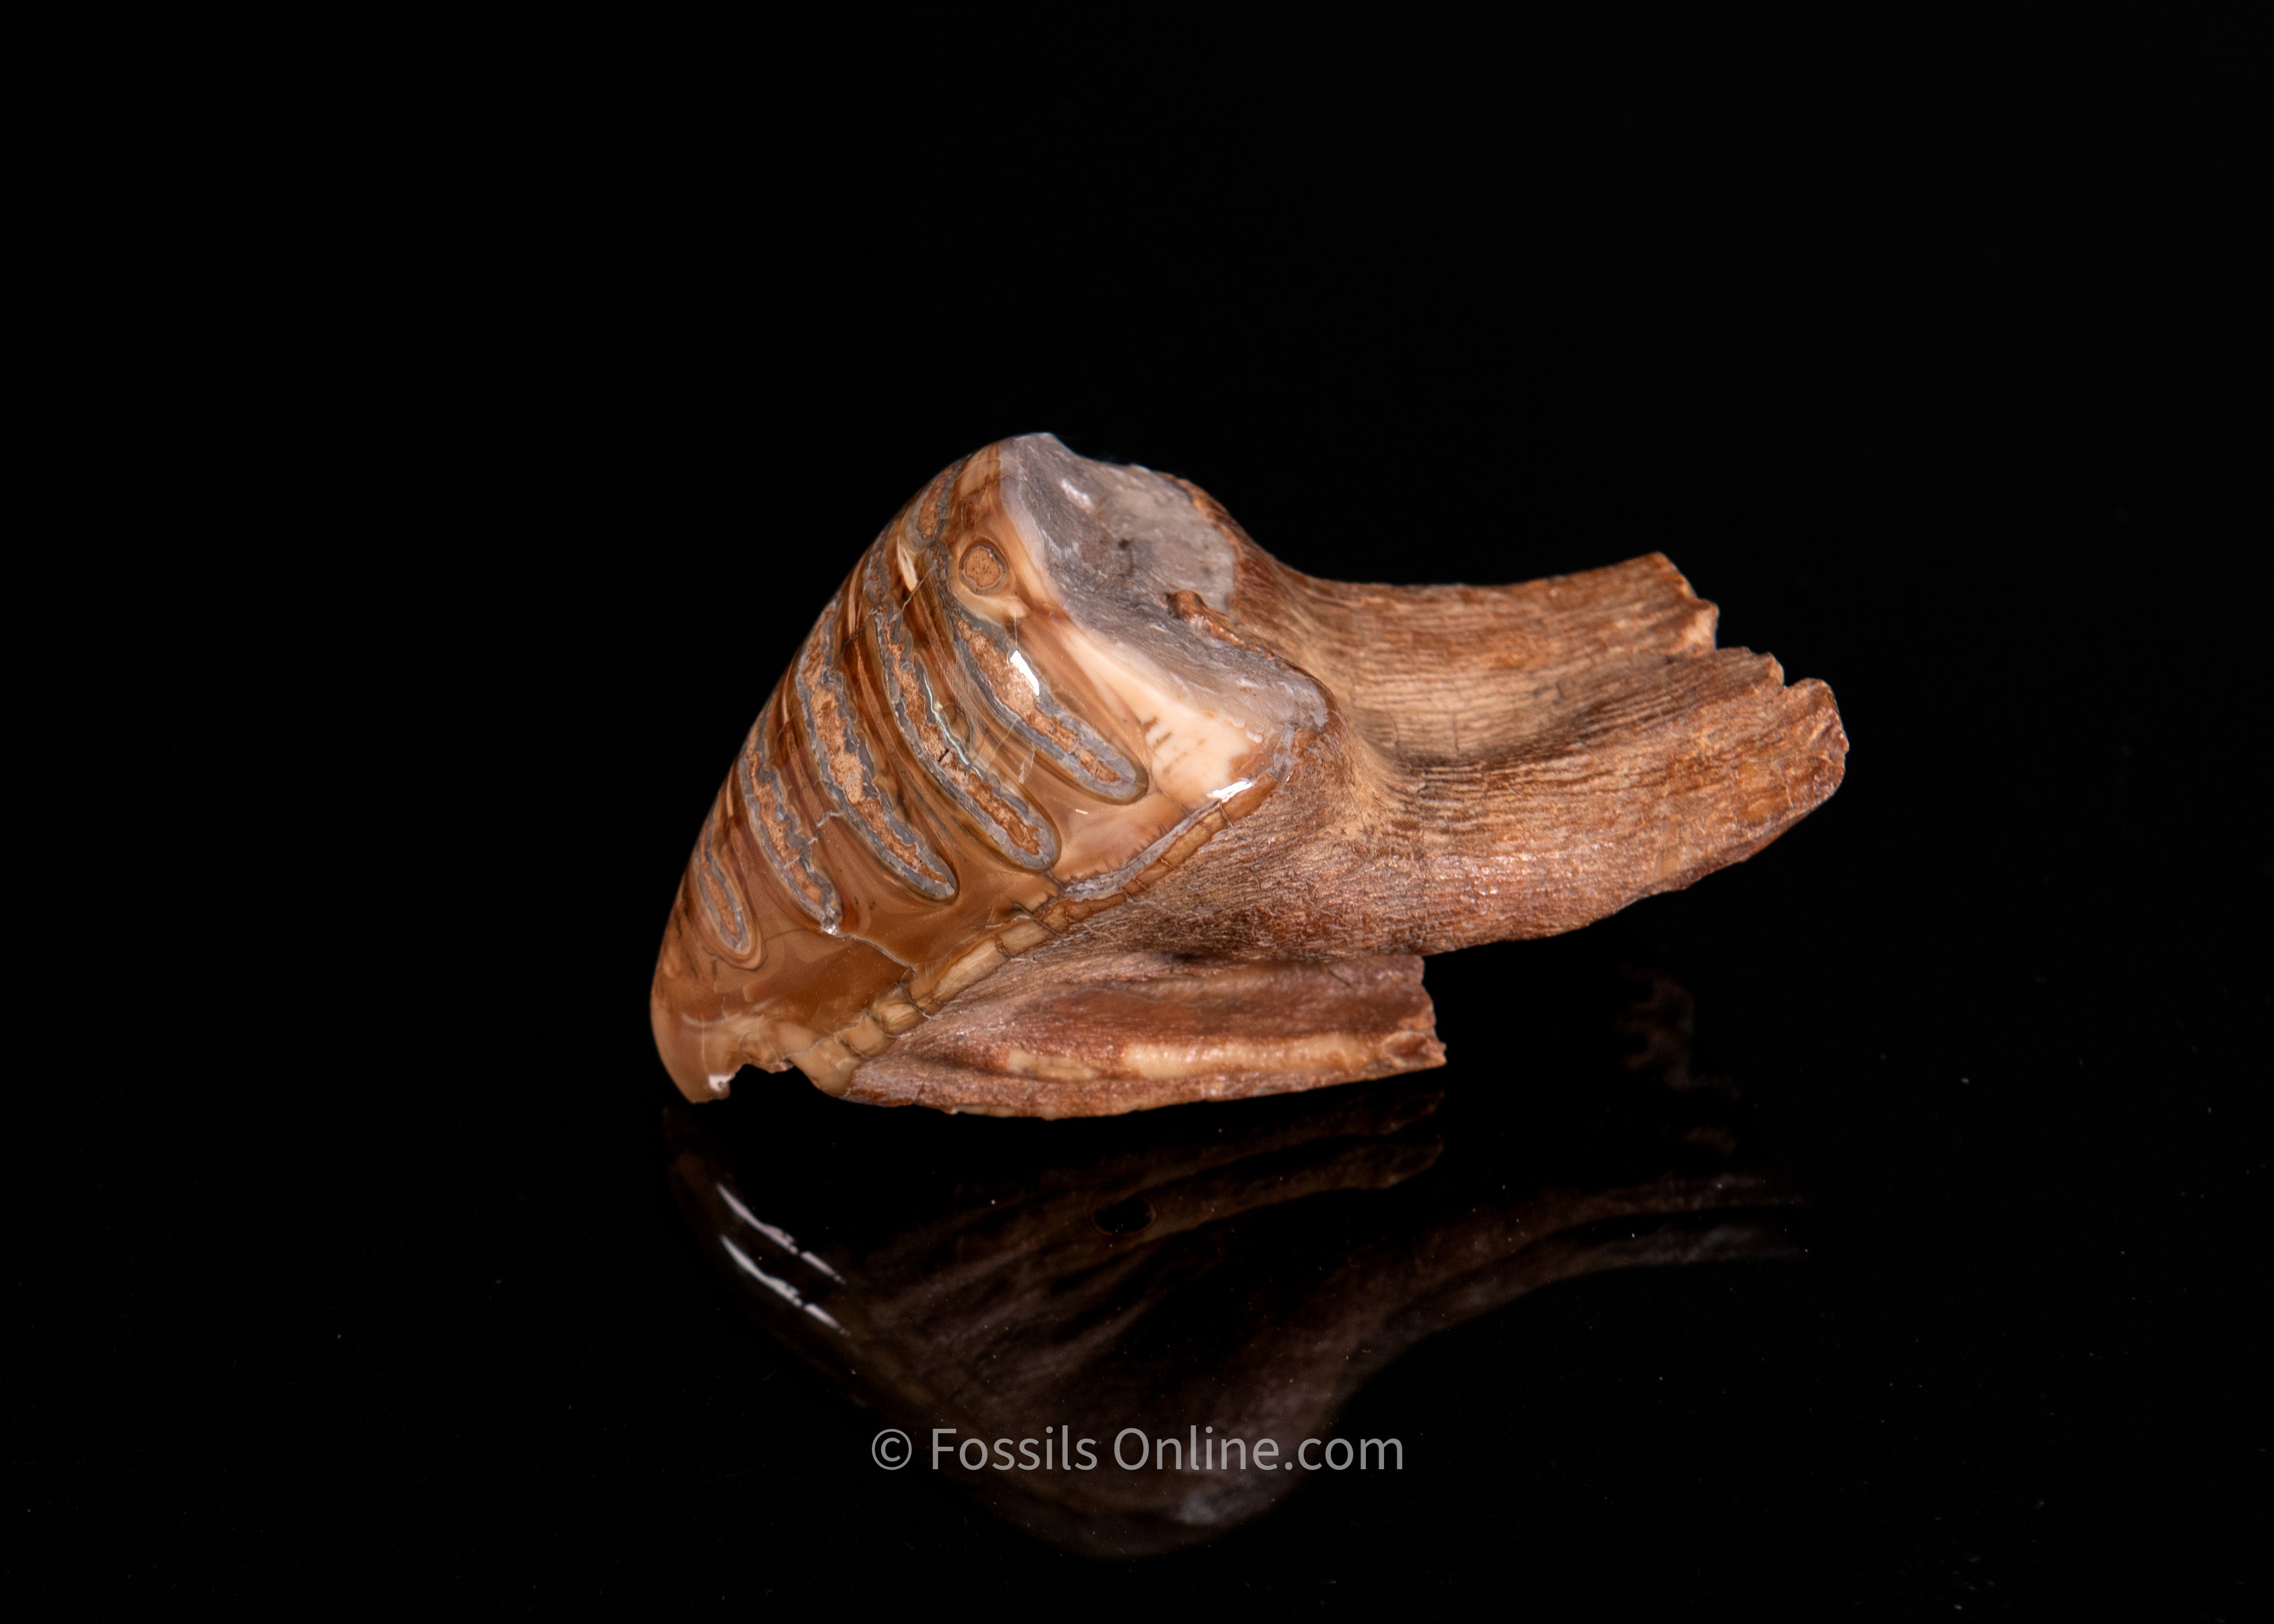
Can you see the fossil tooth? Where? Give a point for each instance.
(1053, 687)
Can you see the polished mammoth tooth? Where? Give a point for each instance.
(1075, 801)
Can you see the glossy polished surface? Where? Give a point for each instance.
(1054, 687)
(995, 728)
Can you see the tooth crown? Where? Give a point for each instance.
(952, 772)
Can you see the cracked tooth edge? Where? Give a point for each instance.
(830, 1064)
(896, 1012)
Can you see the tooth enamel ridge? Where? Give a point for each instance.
(1023, 703)
(721, 898)
(779, 832)
(933, 733)
(846, 762)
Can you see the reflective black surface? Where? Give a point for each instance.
(1228, 1272)
(503, 409)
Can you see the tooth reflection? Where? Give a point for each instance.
(779, 1287)
(782, 1238)
(1236, 1272)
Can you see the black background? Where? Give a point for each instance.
(510, 405)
